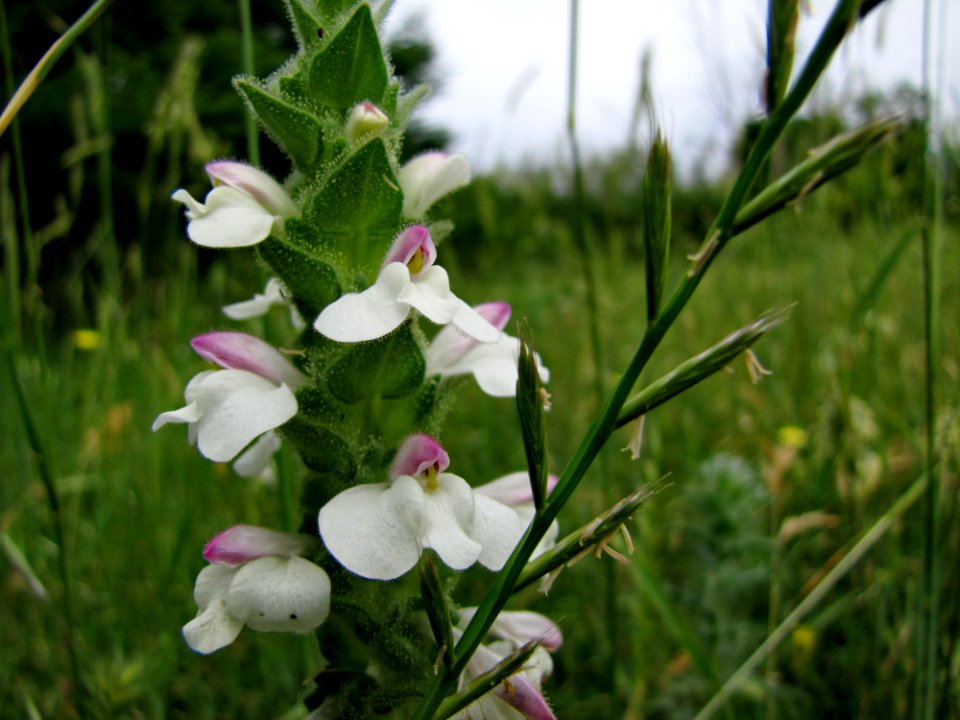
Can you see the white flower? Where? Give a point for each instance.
(243, 208)
(227, 409)
(494, 365)
(428, 177)
(520, 696)
(256, 578)
(408, 280)
(260, 303)
(378, 530)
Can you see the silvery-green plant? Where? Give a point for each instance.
(360, 391)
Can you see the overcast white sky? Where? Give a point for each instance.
(504, 68)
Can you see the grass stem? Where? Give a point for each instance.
(49, 59)
(249, 69)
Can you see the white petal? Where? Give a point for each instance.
(448, 522)
(212, 583)
(237, 406)
(194, 207)
(257, 458)
(356, 317)
(259, 304)
(276, 594)
(256, 183)
(431, 295)
(498, 529)
(372, 529)
(212, 629)
(474, 324)
(187, 414)
(428, 177)
(230, 218)
(522, 626)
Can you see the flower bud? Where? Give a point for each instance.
(365, 120)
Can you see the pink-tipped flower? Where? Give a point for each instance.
(256, 577)
(428, 177)
(378, 530)
(408, 280)
(227, 409)
(520, 693)
(244, 207)
(365, 120)
(493, 365)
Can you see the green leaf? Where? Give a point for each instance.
(351, 68)
(322, 450)
(391, 367)
(296, 131)
(307, 27)
(312, 282)
(360, 202)
(408, 102)
(329, 9)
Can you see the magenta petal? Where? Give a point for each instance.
(243, 543)
(239, 351)
(406, 245)
(495, 313)
(518, 692)
(418, 453)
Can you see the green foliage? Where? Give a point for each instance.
(350, 67)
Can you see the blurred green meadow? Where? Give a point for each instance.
(762, 488)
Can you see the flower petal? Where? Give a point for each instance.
(280, 594)
(428, 177)
(259, 185)
(259, 304)
(214, 626)
(237, 406)
(448, 519)
(230, 218)
(371, 314)
(212, 583)
(371, 529)
(498, 529)
(417, 454)
(524, 697)
(412, 240)
(212, 629)
(431, 295)
(243, 543)
(254, 462)
(522, 626)
(514, 488)
(188, 414)
(239, 351)
(473, 323)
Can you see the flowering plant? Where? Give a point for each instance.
(360, 388)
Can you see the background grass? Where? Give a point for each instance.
(835, 430)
